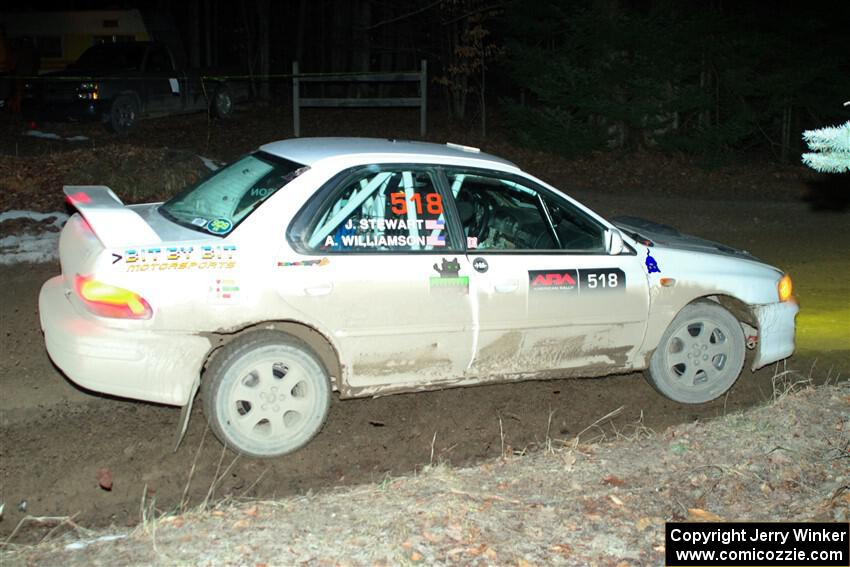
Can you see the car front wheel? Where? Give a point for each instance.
(700, 355)
(266, 394)
(123, 114)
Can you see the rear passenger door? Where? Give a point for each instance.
(548, 295)
(380, 269)
(163, 85)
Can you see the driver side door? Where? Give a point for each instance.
(548, 295)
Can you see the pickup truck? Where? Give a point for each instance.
(121, 83)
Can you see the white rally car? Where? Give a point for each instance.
(371, 267)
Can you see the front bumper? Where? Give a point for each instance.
(776, 327)
(139, 364)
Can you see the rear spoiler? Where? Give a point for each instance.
(114, 224)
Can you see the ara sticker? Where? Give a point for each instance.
(583, 281)
(550, 280)
(480, 265)
(651, 264)
(322, 262)
(449, 277)
(219, 226)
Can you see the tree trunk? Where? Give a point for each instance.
(194, 33)
(263, 46)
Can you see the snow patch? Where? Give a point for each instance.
(84, 543)
(41, 246)
(212, 165)
(52, 136)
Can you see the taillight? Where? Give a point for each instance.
(111, 301)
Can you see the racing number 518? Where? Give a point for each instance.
(433, 203)
(602, 280)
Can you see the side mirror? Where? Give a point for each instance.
(614, 242)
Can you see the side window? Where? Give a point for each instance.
(159, 61)
(499, 213)
(382, 210)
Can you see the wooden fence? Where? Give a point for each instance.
(299, 102)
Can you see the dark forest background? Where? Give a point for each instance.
(714, 78)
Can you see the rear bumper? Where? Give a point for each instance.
(138, 364)
(776, 326)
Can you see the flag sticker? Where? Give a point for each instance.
(438, 240)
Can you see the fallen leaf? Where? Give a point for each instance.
(700, 515)
(615, 500)
(612, 480)
(241, 524)
(252, 511)
(562, 549)
(104, 479)
(416, 556)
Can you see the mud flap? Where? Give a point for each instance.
(185, 413)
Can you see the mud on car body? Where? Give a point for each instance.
(370, 267)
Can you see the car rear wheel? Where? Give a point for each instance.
(700, 355)
(123, 114)
(266, 394)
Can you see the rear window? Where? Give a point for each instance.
(112, 56)
(220, 202)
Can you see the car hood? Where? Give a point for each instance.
(666, 236)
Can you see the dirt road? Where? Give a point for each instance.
(55, 437)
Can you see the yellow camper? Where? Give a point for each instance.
(61, 37)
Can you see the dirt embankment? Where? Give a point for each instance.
(573, 503)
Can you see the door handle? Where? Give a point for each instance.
(507, 287)
(323, 289)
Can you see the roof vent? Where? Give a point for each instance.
(463, 148)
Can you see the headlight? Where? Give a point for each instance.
(785, 288)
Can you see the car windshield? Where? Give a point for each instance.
(113, 56)
(220, 202)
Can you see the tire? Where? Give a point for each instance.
(700, 355)
(222, 103)
(266, 394)
(123, 114)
